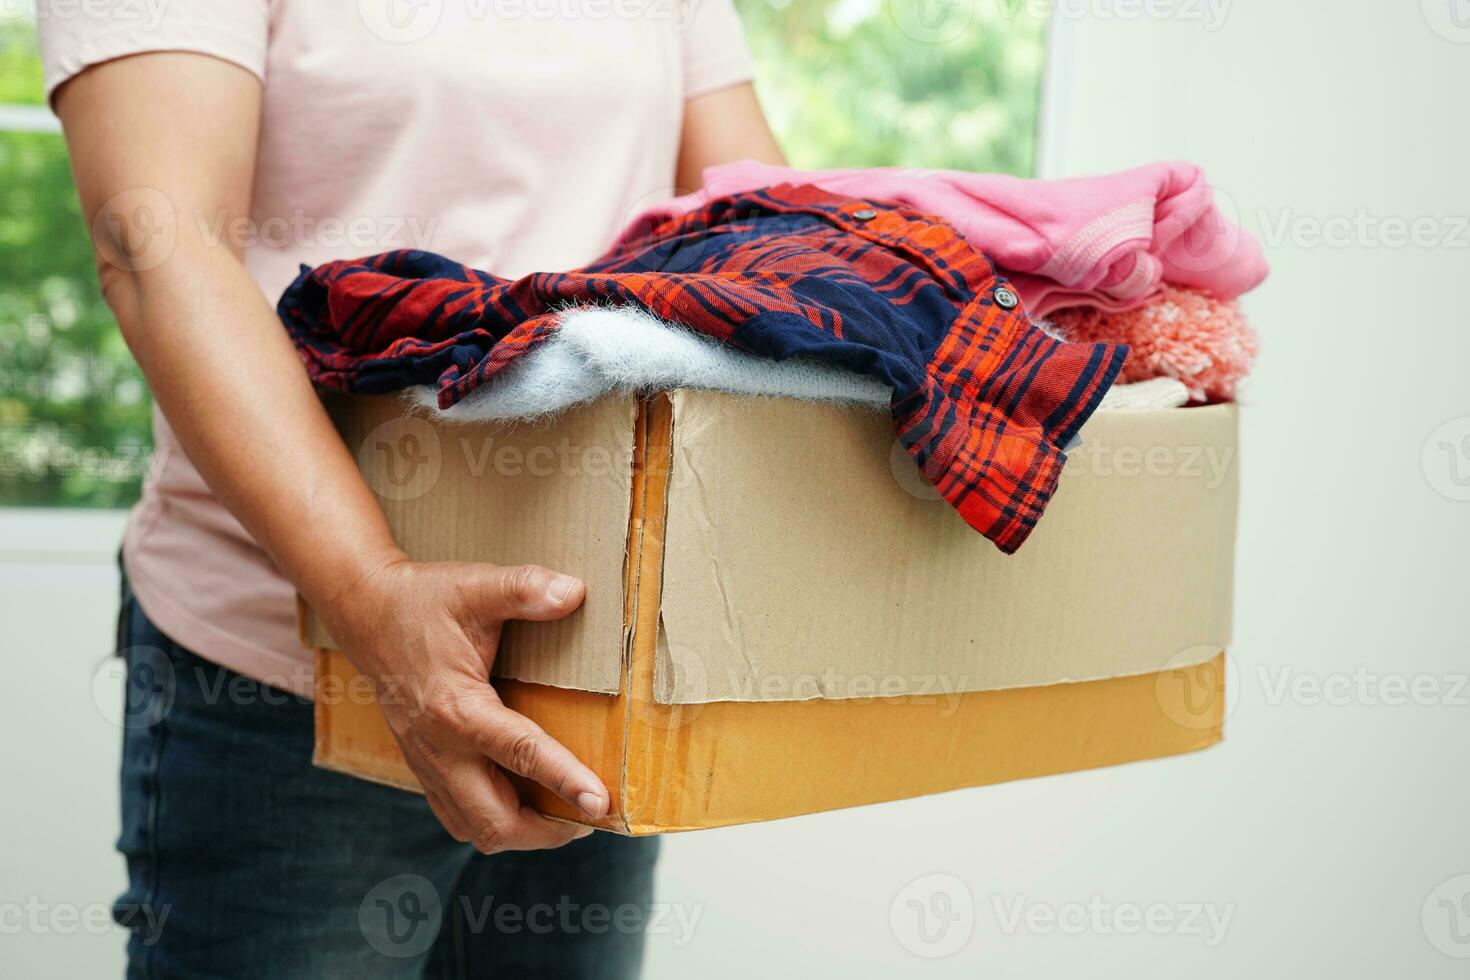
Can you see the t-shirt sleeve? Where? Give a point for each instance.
(76, 36)
(715, 52)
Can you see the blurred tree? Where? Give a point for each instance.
(20, 65)
(921, 83)
(73, 408)
(847, 83)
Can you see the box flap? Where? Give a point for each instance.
(556, 495)
(806, 557)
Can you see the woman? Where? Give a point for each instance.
(218, 145)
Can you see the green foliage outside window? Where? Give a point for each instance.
(73, 409)
(847, 83)
(909, 83)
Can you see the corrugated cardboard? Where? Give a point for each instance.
(806, 557)
(690, 767)
(554, 495)
(796, 631)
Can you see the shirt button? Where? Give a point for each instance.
(865, 214)
(1006, 299)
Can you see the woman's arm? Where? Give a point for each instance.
(163, 149)
(722, 127)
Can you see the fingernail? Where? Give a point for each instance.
(561, 587)
(592, 805)
(584, 832)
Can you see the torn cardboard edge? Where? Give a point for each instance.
(553, 494)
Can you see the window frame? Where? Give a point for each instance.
(1058, 85)
(19, 118)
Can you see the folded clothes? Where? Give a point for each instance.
(595, 350)
(982, 399)
(1109, 241)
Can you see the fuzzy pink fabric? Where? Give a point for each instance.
(1180, 333)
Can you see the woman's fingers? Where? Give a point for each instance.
(520, 745)
(438, 625)
(477, 805)
(529, 592)
(496, 819)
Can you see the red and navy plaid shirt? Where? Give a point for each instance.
(983, 400)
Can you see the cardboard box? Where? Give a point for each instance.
(783, 618)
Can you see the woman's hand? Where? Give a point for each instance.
(426, 635)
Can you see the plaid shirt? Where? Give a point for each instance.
(983, 400)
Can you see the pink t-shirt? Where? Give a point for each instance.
(511, 135)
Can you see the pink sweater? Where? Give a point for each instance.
(1109, 242)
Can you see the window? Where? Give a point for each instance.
(846, 83)
(73, 408)
(910, 83)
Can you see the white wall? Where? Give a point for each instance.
(59, 745)
(1320, 827)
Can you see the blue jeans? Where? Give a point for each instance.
(246, 861)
